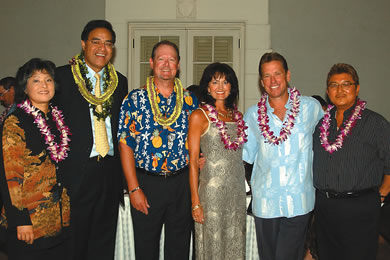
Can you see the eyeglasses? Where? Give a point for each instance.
(346, 85)
(107, 44)
(1, 94)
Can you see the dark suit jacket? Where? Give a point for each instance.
(77, 117)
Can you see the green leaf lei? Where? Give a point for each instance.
(79, 68)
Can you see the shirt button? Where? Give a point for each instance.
(57, 167)
(59, 184)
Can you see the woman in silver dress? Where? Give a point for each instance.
(218, 190)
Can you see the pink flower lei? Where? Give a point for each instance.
(221, 126)
(57, 152)
(344, 131)
(288, 125)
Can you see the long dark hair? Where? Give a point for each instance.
(216, 70)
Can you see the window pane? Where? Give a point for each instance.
(203, 48)
(198, 71)
(174, 39)
(147, 43)
(223, 49)
(145, 71)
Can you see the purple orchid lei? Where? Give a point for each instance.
(288, 125)
(57, 152)
(344, 131)
(221, 126)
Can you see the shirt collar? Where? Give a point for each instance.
(91, 72)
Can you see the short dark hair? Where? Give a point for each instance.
(321, 100)
(194, 89)
(340, 68)
(272, 56)
(8, 82)
(26, 71)
(165, 42)
(216, 70)
(92, 25)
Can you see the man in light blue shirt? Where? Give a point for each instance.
(279, 146)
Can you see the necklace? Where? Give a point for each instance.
(344, 131)
(221, 126)
(57, 152)
(288, 125)
(229, 114)
(110, 82)
(152, 95)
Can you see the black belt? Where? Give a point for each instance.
(348, 194)
(165, 174)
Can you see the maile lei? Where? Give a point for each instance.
(58, 152)
(221, 126)
(288, 125)
(152, 95)
(110, 79)
(344, 131)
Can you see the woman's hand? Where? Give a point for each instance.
(197, 215)
(25, 233)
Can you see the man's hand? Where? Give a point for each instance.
(25, 233)
(139, 202)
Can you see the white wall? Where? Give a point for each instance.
(48, 29)
(313, 35)
(253, 12)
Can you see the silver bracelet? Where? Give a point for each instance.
(134, 190)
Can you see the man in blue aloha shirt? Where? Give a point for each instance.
(154, 153)
(280, 129)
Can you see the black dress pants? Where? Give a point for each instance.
(20, 250)
(170, 204)
(94, 211)
(281, 238)
(347, 228)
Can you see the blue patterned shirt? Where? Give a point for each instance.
(156, 148)
(282, 176)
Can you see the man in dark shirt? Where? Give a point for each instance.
(351, 171)
(7, 96)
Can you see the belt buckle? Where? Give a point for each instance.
(165, 174)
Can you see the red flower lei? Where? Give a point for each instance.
(288, 125)
(221, 126)
(57, 152)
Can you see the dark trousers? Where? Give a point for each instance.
(281, 238)
(20, 250)
(94, 212)
(170, 204)
(347, 228)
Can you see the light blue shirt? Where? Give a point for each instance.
(91, 77)
(282, 176)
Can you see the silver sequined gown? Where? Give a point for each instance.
(223, 197)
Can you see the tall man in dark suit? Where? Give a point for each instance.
(90, 97)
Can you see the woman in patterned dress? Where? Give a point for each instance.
(34, 144)
(218, 190)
